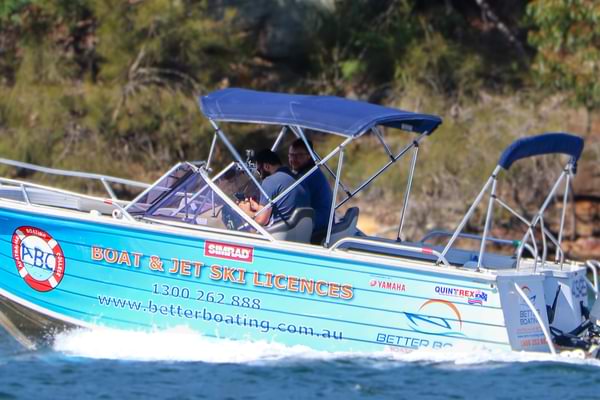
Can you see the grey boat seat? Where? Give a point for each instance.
(345, 227)
(297, 228)
(456, 257)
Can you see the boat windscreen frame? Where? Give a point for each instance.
(152, 186)
(105, 180)
(203, 172)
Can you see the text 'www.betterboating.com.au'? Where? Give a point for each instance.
(243, 320)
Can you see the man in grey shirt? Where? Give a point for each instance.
(276, 179)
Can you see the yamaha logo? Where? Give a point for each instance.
(40, 260)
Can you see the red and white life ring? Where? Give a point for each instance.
(39, 258)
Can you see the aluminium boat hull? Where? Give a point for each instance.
(97, 271)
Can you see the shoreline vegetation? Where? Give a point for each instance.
(111, 87)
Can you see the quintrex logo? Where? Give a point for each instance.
(39, 258)
(473, 296)
(228, 251)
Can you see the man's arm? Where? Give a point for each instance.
(251, 207)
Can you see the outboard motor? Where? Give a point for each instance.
(579, 336)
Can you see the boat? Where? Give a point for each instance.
(183, 253)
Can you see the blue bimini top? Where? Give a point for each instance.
(547, 143)
(329, 114)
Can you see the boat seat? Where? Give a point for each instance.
(297, 228)
(456, 257)
(343, 228)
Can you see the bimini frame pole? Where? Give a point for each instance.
(279, 138)
(379, 136)
(463, 222)
(569, 171)
(333, 200)
(488, 218)
(210, 152)
(538, 215)
(234, 206)
(237, 156)
(382, 169)
(408, 189)
(315, 157)
(306, 175)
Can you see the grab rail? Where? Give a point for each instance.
(27, 200)
(435, 233)
(508, 242)
(594, 265)
(103, 179)
(537, 317)
(419, 250)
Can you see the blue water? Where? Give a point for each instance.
(107, 364)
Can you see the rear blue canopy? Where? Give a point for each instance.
(547, 143)
(322, 113)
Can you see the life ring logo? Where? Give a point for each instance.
(39, 258)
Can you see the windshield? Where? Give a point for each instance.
(185, 195)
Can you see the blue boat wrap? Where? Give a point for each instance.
(143, 277)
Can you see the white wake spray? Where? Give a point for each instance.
(184, 345)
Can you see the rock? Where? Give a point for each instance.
(283, 29)
(583, 248)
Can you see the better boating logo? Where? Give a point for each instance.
(527, 292)
(440, 317)
(39, 258)
(228, 251)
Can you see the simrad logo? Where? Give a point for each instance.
(228, 251)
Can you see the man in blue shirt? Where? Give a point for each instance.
(276, 179)
(316, 184)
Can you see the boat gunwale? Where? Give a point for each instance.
(299, 248)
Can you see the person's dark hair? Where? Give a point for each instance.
(299, 144)
(267, 156)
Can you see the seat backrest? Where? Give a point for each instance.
(297, 228)
(347, 225)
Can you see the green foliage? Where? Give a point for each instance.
(352, 68)
(112, 78)
(442, 66)
(567, 38)
(163, 42)
(361, 41)
(369, 45)
(111, 86)
(9, 9)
